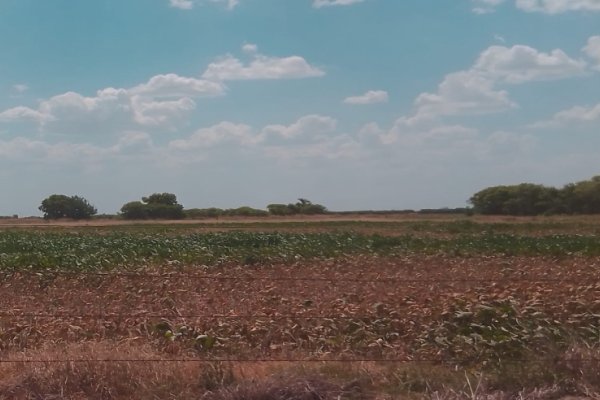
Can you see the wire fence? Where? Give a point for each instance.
(582, 279)
(298, 360)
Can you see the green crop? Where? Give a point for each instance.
(88, 250)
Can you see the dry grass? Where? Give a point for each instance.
(215, 381)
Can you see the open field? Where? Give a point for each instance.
(368, 308)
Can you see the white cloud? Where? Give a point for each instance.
(328, 3)
(229, 68)
(189, 4)
(311, 136)
(542, 6)
(475, 91)
(250, 48)
(592, 50)
(172, 85)
(519, 64)
(20, 88)
(182, 4)
(558, 6)
(307, 126)
(485, 6)
(573, 115)
(21, 113)
(370, 97)
(463, 93)
(224, 132)
(160, 102)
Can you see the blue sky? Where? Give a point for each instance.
(355, 104)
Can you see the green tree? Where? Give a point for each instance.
(304, 206)
(155, 206)
(523, 199)
(584, 197)
(59, 206)
(134, 210)
(167, 199)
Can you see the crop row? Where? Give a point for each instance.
(89, 251)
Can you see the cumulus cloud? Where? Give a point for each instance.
(160, 102)
(370, 97)
(519, 64)
(172, 85)
(224, 132)
(230, 68)
(592, 50)
(21, 113)
(558, 6)
(573, 115)
(310, 136)
(307, 126)
(463, 93)
(476, 90)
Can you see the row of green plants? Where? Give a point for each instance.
(22, 249)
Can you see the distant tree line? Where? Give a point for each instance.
(531, 199)
(303, 206)
(165, 206)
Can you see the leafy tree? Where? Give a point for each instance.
(584, 197)
(134, 210)
(523, 199)
(167, 199)
(59, 206)
(529, 199)
(155, 206)
(304, 206)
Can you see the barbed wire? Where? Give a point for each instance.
(296, 360)
(523, 279)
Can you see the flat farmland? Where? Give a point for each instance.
(372, 307)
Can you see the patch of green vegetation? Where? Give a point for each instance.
(88, 250)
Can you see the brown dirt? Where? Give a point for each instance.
(354, 308)
(39, 222)
(281, 311)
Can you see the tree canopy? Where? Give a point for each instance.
(59, 206)
(155, 206)
(303, 206)
(530, 199)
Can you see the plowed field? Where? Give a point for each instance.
(477, 303)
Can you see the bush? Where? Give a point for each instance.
(155, 206)
(203, 212)
(246, 212)
(303, 206)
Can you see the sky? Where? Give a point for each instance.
(353, 104)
